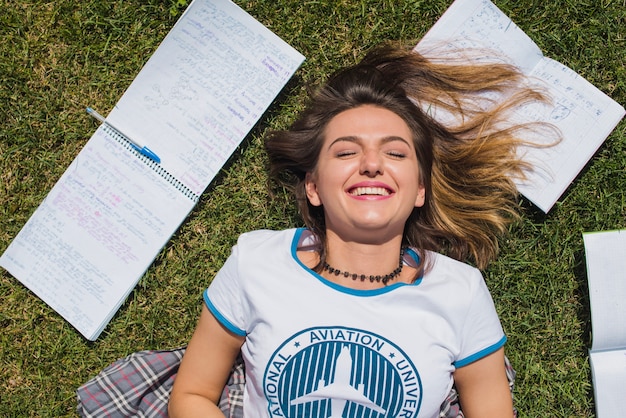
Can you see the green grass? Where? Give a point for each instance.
(56, 58)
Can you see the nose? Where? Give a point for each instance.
(371, 163)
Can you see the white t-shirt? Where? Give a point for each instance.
(314, 348)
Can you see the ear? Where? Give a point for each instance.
(421, 196)
(311, 190)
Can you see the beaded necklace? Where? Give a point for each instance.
(372, 278)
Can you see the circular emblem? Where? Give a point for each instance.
(341, 372)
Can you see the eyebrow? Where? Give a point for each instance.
(356, 139)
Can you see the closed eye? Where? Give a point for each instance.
(345, 153)
(396, 154)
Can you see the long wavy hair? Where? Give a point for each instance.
(468, 165)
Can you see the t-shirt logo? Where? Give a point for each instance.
(340, 372)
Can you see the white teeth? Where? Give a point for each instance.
(375, 191)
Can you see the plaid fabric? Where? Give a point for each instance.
(139, 385)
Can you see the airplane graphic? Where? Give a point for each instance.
(340, 391)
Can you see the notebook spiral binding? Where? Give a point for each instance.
(178, 185)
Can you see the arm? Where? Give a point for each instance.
(484, 389)
(204, 369)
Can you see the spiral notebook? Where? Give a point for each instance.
(105, 220)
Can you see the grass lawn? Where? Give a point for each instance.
(58, 57)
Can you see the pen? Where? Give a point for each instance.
(142, 149)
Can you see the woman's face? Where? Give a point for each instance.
(367, 176)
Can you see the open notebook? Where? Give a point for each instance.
(584, 114)
(606, 273)
(103, 223)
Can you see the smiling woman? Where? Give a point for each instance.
(384, 190)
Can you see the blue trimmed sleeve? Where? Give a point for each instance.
(482, 332)
(224, 296)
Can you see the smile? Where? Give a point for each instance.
(370, 191)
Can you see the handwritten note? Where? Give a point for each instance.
(212, 78)
(100, 227)
(96, 232)
(584, 114)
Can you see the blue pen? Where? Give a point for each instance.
(143, 150)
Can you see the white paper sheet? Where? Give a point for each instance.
(605, 254)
